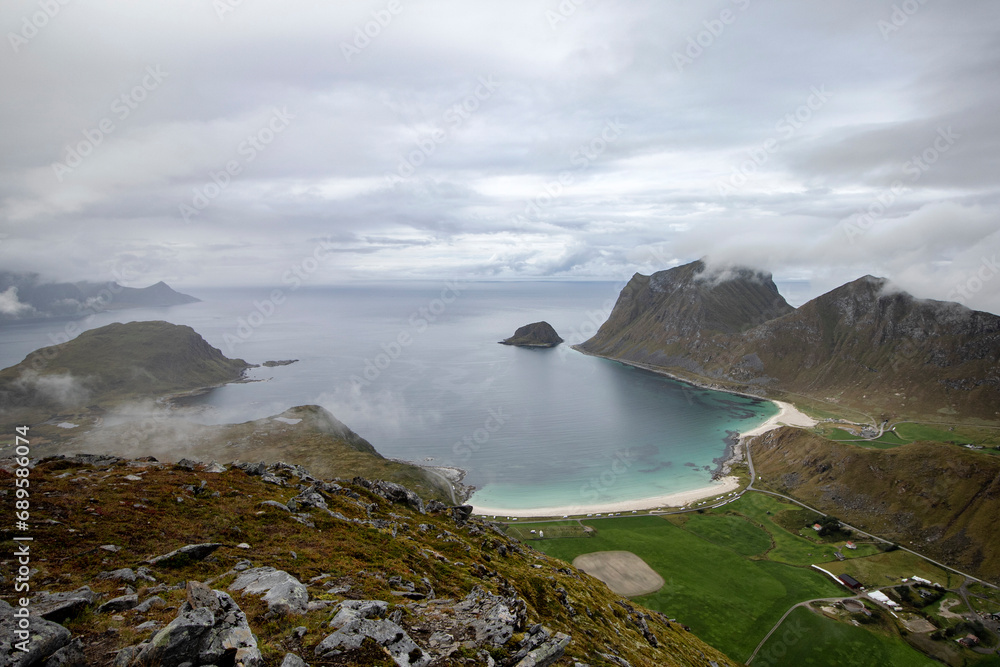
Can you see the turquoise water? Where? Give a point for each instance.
(416, 370)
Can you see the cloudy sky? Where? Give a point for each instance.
(228, 142)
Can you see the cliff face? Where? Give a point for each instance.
(686, 316)
(863, 344)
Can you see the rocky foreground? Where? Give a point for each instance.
(138, 562)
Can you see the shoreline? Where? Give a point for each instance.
(724, 482)
(677, 499)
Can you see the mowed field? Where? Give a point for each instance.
(727, 599)
(732, 572)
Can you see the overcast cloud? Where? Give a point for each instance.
(224, 142)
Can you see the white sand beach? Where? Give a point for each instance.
(788, 415)
(679, 499)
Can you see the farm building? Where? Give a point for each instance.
(850, 581)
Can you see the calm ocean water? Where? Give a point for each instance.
(416, 370)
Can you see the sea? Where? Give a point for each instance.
(415, 369)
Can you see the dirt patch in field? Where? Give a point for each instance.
(624, 572)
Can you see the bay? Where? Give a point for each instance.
(415, 368)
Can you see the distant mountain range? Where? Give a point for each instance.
(23, 297)
(864, 345)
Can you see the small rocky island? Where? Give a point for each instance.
(538, 334)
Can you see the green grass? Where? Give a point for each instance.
(552, 530)
(959, 434)
(809, 639)
(728, 600)
(731, 532)
(789, 547)
(885, 569)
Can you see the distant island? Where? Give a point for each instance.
(24, 297)
(537, 334)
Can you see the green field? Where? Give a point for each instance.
(986, 437)
(779, 518)
(732, 572)
(728, 599)
(806, 638)
(551, 530)
(888, 568)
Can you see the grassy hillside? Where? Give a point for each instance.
(939, 499)
(146, 509)
(305, 435)
(114, 363)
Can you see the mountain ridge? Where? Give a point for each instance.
(25, 298)
(864, 345)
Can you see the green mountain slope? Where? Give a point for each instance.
(938, 499)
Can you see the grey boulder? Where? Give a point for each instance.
(200, 636)
(58, 607)
(350, 610)
(189, 552)
(44, 639)
(121, 603)
(283, 593)
(392, 637)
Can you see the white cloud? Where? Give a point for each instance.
(11, 306)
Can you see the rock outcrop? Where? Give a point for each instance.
(283, 593)
(537, 334)
(210, 629)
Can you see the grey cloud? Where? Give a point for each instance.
(412, 100)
